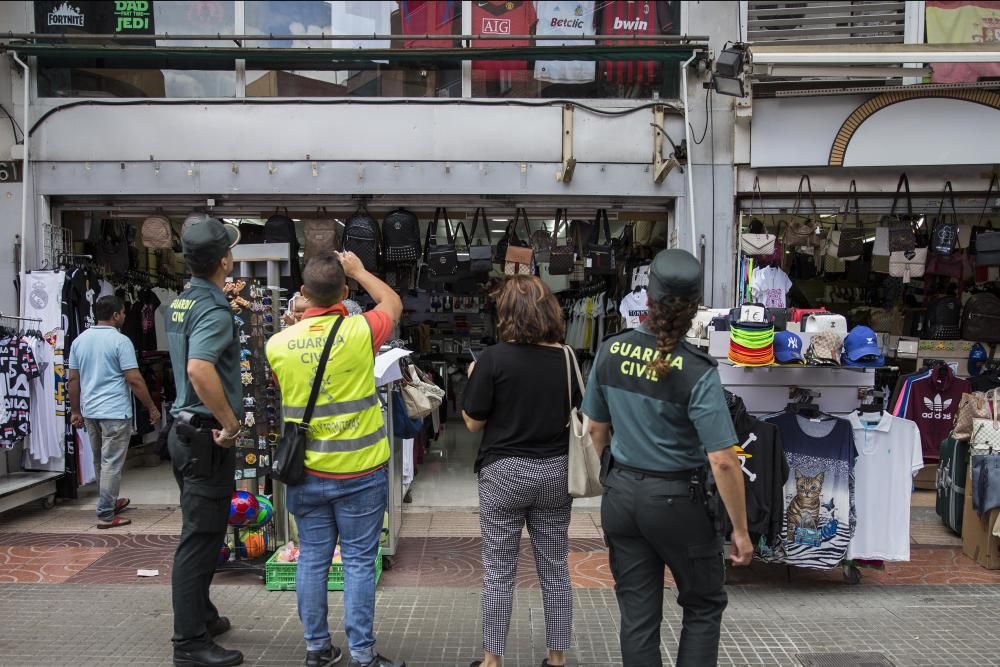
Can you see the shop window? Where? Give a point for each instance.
(111, 77)
(378, 78)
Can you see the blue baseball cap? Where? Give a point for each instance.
(788, 348)
(861, 348)
(977, 359)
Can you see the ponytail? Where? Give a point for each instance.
(669, 322)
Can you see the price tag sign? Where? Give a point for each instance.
(752, 314)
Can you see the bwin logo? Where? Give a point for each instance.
(936, 408)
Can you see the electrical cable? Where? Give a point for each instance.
(353, 101)
(14, 127)
(708, 96)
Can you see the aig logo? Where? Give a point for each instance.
(496, 26)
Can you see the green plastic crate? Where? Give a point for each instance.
(281, 576)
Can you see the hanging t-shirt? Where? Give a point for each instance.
(634, 308)
(17, 363)
(889, 454)
(42, 296)
(640, 277)
(147, 305)
(819, 515)
(932, 405)
(770, 287)
(166, 297)
(629, 17)
(572, 18)
(430, 17)
(46, 440)
(506, 17)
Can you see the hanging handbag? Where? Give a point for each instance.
(320, 235)
(420, 397)
(901, 235)
(462, 255)
(757, 242)
(480, 255)
(541, 243)
(985, 482)
(362, 237)
(908, 265)
(440, 260)
(519, 257)
(157, 233)
(801, 229)
(851, 245)
(561, 257)
(584, 464)
(944, 237)
(977, 405)
(403, 425)
(289, 463)
(401, 236)
(986, 240)
(601, 256)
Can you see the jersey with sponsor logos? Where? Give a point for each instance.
(633, 17)
(430, 17)
(497, 19)
(562, 17)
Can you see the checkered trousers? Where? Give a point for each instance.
(514, 492)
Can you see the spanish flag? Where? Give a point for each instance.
(963, 22)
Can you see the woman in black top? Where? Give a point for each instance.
(519, 398)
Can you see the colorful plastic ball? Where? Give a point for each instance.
(224, 554)
(264, 514)
(243, 508)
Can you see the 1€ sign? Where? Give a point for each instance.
(131, 15)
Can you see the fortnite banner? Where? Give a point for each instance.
(963, 23)
(119, 17)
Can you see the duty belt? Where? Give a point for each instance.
(199, 421)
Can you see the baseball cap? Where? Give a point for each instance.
(208, 240)
(788, 348)
(861, 348)
(977, 359)
(675, 273)
(824, 350)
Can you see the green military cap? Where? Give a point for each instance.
(675, 273)
(208, 240)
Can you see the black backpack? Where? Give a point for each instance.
(944, 318)
(401, 236)
(981, 319)
(361, 236)
(280, 228)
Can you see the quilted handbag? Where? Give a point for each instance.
(901, 234)
(851, 240)
(986, 433)
(157, 233)
(601, 256)
(977, 405)
(519, 258)
(757, 242)
(944, 238)
(480, 255)
(801, 229)
(908, 265)
(561, 257)
(440, 260)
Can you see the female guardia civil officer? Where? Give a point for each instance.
(664, 400)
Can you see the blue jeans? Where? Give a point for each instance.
(353, 510)
(109, 440)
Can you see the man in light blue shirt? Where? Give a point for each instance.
(102, 370)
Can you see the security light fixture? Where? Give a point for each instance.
(728, 74)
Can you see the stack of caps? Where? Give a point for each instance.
(751, 340)
(862, 348)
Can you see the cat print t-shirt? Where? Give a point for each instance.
(819, 514)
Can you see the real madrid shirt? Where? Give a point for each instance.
(571, 19)
(42, 298)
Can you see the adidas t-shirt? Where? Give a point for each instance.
(565, 18)
(634, 308)
(932, 406)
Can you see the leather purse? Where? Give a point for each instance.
(320, 235)
(985, 482)
(601, 256)
(440, 260)
(289, 463)
(850, 244)
(420, 397)
(541, 244)
(757, 242)
(944, 237)
(908, 265)
(902, 237)
(801, 229)
(986, 433)
(986, 242)
(480, 255)
(977, 405)
(561, 257)
(584, 464)
(519, 258)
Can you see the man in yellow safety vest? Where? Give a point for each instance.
(345, 492)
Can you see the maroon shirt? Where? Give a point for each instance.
(933, 404)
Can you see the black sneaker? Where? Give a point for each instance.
(379, 661)
(330, 656)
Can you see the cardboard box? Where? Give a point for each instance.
(926, 479)
(978, 541)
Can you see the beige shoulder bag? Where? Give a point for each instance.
(584, 464)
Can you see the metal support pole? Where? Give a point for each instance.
(690, 162)
(565, 174)
(25, 174)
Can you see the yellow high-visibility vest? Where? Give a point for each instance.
(347, 431)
